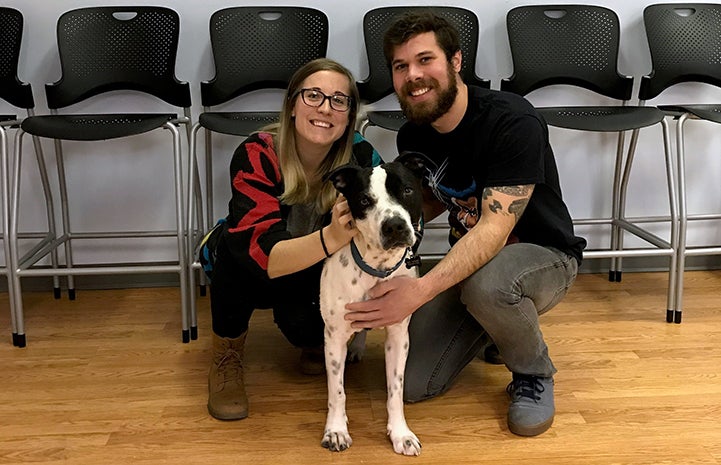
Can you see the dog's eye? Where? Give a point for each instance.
(408, 191)
(365, 201)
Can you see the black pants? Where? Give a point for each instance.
(235, 293)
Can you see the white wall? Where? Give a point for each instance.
(585, 160)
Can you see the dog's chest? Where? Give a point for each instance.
(343, 281)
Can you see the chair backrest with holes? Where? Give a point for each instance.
(260, 48)
(685, 44)
(565, 44)
(12, 90)
(118, 48)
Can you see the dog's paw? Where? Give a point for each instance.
(336, 441)
(406, 444)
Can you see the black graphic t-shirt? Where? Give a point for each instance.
(501, 141)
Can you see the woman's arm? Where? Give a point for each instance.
(293, 255)
(255, 223)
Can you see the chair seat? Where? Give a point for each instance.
(94, 126)
(391, 120)
(237, 123)
(706, 112)
(6, 118)
(601, 118)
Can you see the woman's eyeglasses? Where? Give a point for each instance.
(316, 98)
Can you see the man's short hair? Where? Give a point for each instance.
(413, 23)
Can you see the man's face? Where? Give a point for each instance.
(424, 81)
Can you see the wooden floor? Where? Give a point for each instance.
(106, 380)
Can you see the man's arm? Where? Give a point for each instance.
(393, 300)
(501, 208)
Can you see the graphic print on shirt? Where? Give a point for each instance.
(461, 201)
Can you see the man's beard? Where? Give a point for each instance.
(428, 112)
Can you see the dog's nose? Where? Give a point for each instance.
(396, 232)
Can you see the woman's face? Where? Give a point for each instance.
(318, 127)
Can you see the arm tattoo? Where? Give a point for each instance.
(516, 207)
(516, 191)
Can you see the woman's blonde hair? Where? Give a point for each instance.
(297, 189)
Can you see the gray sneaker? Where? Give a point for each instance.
(531, 410)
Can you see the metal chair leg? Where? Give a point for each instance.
(676, 315)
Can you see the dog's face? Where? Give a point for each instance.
(385, 201)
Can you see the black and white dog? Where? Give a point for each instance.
(386, 205)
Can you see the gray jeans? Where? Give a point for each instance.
(504, 298)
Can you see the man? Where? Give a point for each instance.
(514, 254)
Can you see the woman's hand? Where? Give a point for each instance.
(342, 226)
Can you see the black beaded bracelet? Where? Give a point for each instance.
(322, 242)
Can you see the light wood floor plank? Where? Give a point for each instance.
(105, 380)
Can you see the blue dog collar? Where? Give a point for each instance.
(372, 271)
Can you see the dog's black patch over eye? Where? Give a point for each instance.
(405, 188)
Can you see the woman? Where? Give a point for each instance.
(283, 221)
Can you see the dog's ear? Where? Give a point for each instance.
(342, 177)
(417, 162)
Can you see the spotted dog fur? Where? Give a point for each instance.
(386, 204)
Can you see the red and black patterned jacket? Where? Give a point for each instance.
(256, 219)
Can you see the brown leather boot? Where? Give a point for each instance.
(226, 388)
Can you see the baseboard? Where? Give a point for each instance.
(630, 265)
(641, 264)
(635, 264)
(100, 282)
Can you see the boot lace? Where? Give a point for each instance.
(526, 386)
(227, 369)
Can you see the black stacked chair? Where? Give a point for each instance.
(18, 94)
(379, 84)
(101, 50)
(685, 47)
(577, 45)
(253, 48)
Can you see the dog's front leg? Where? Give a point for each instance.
(396, 348)
(335, 436)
